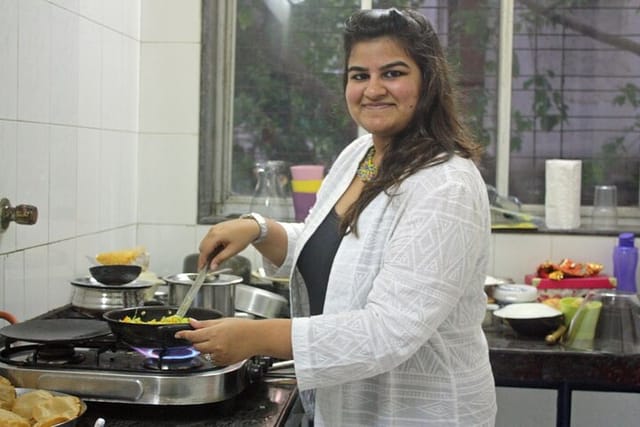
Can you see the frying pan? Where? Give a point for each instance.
(154, 335)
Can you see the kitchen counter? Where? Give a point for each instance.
(531, 363)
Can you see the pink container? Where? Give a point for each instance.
(306, 180)
(307, 172)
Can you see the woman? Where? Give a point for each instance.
(387, 273)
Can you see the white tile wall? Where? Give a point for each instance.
(9, 49)
(169, 99)
(69, 74)
(515, 255)
(8, 171)
(33, 180)
(170, 21)
(63, 151)
(64, 69)
(176, 169)
(88, 97)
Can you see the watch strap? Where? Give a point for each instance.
(262, 223)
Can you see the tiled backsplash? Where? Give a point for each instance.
(94, 125)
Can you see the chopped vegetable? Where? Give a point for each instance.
(165, 320)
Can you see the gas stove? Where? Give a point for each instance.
(103, 370)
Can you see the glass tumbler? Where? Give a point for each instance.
(605, 207)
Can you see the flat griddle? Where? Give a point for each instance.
(56, 330)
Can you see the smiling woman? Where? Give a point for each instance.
(382, 88)
(370, 267)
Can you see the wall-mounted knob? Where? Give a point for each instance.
(21, 214)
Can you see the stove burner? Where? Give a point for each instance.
(173, 353)
(172, 364)
(60, 354)
(170, 359)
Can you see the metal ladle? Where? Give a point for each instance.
(197, 284)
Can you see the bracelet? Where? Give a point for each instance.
(262, 223)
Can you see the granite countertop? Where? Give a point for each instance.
(528, 362)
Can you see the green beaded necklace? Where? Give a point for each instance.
(367, 169)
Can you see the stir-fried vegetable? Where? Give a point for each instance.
(165, 320)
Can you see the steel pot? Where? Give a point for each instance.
(239, 265)
(261, 303)
(217, 291)
(95, 299)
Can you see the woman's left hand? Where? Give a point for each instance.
(227, 340)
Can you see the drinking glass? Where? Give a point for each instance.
(605, 207)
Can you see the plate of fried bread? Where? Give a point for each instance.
(26, 407)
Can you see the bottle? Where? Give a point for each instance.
(272, 196)
(625, 262)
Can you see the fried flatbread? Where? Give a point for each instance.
(7, 396)
(11, 419)
(56, 410)
(25, 403)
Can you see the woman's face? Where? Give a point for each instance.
(383, 86)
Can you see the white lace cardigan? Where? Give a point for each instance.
(400, 340)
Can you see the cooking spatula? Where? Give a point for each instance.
(195, 287)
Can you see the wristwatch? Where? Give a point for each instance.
(262, 223)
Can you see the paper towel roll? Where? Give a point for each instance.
(562, 193)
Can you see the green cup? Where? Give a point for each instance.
(568, 307)
(584, 328)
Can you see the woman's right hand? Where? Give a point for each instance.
(231, 236)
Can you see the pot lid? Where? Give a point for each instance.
(90, 282)
(56, 330)
(210, 280)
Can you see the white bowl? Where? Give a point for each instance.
(515, 293)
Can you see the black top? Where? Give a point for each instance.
(316, 259)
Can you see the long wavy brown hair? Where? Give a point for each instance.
(436, 131)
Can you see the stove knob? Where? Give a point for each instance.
(255, 371)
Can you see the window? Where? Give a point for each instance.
(575, 94)
(272, 90)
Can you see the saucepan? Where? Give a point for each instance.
(149, 335)
(532, 319)
(217, 292)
